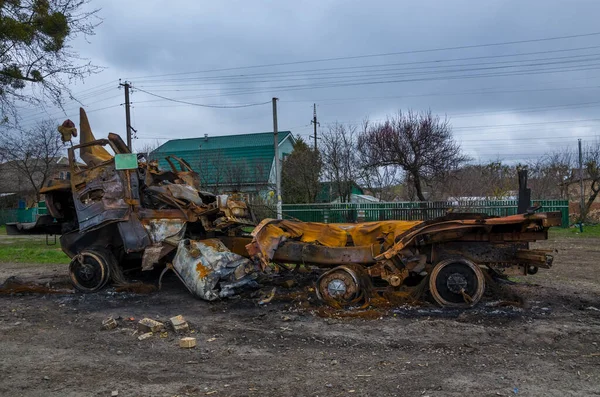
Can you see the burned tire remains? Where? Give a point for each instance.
(90, 269)
(457, 283)
(342, 286)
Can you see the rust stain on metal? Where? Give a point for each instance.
(202, 270)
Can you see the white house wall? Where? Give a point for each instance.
(285, 147)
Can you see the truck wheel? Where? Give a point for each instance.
(456, 283)
(340, 286)
(90, 269)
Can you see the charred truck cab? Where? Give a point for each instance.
(120, 212)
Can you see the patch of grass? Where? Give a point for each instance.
(30, 249)
(2, 229)
(589, 231)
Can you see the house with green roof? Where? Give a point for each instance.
(230, 163)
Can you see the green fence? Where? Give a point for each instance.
(22, 215)
(346, 212)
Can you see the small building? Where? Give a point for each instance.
(230, 163)
(329, 194)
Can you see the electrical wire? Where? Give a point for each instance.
(337, 69)
(345, 58)
(203, 105)
(380, 72)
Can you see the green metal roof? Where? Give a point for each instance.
(224, 160)
(328, 192)
(222, 142)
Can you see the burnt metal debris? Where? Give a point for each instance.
(119, 212)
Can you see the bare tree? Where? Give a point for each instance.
(148, 149)
(419, 143)
(381, 181)
(591, 156)
(32, 154)
(494, 180)
(236, 174)
(211, 168)
(548, 174)
(340, 159)
(467, 181)
(300, 174)
(258, 171)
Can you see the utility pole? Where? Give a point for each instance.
(127, 85)
(315, 123)
(582, 204)
(277, 167)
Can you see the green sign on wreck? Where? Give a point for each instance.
(126, 161)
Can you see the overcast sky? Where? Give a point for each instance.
(499, 98)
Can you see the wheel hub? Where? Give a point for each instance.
(456, 282)
(336, 287)
(89, 270)
(340, 285)
(86, 272)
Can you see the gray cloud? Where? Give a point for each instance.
(146, 38)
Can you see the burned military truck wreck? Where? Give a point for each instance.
(120, 212)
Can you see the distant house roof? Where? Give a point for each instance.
(245, 158)
(328, 192)
(360, 199)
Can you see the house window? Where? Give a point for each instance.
(65, 175)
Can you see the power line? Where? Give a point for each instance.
(337, 69)
(478, 126)
(70, 113)
(384, 74)
(521, 124)
(350, 83)
(539, 139)
(46, 114)
(380, 55)
(382, 71)
(203, 105)
(527, 110)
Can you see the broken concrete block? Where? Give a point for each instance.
(150, 325)
(109, 323)
(179, 324)
(187, 342)
(145, 336)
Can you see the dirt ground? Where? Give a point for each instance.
(53, 345)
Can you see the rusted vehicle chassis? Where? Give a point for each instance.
(114, 219)
(453, 255)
